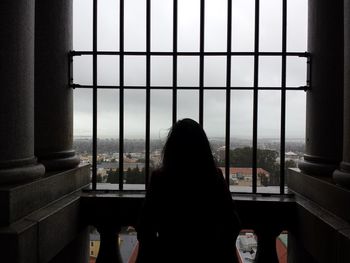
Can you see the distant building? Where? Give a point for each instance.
(292, 156)
(156, 158)
(281, 247)
(220, 153)
(94, 246)
(243, 176)
(115, 165)
(102, 173)
(246, 245)
(127, 244)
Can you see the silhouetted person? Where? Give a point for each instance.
(188, 213)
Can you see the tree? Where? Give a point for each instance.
(242, 157)
(113, 176)
(290, 164)
(99, 178)
(135, 176)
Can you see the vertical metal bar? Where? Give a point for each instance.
(121, 95)
(201, 63)
(175, 61)
(94, 96)
(255, 99)
(228, 92)
(148, 91)
(283, 96)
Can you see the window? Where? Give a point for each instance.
(187, 52)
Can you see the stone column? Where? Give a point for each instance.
(324, 109)
(342, 175)
(53, 96)
(17, 161)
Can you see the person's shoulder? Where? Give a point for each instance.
(221, 181)
(156, 183)
(156, 176)
(157, 172)
(219, 171)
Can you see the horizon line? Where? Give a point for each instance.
(210, 138)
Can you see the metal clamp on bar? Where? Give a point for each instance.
(70, 70)
(305, 55)
(308, 71)
(74, 53)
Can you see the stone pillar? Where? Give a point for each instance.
(342, 175)
(17, 161)
(324, 109)
(53, 96)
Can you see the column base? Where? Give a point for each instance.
(342, 176)
(320, 190)
(317, 166)
(59, 160)
(19, 171)
(18, 201)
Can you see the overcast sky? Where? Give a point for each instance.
(188, 67)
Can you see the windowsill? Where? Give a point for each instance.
(246, 190)
(255, 210)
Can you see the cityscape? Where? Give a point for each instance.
(268, 161)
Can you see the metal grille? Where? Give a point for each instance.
(256, 54)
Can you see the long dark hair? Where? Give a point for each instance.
(187, 151)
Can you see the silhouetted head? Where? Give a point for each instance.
(187, 150)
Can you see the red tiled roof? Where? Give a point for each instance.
(133, 256)
(281, 251)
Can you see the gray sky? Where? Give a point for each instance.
(188, 67)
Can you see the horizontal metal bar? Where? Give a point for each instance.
(78, 86)
(154, 53)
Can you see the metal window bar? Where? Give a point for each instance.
(228, 92)
(148, 90)
(94, 96)
(283, 96)
(174, 87)
(255, 95)
(201, 62)
(201, 54)
(121, 95)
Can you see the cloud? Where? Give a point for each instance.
(188, 67)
